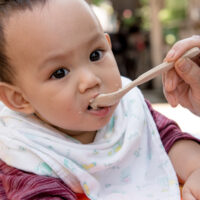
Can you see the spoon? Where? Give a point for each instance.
(109, 99)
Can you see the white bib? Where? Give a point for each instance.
(125, 162)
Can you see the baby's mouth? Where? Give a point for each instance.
(98, 108)
(99, 111)
(89, 107)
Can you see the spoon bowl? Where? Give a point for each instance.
(104, 100)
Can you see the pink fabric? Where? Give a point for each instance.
(168, 129)
(20, 185)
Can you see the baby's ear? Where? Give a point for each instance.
(13, 98)
(108, 39)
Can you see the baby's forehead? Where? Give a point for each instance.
(74, 7)
(74, 14)
(45, 30)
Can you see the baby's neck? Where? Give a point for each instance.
(85, 137)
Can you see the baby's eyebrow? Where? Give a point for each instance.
(55, 56)
(51, 58)
(96, 37)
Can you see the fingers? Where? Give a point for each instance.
(170, 80)
(181, 46)
(189, 72)
(170, 83)
(171, 98)
(196, 59)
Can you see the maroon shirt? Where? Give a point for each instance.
(19, 185)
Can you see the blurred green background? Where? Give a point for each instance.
(172, 15)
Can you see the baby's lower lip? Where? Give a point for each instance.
(101, 112)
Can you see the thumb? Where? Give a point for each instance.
(189, 71)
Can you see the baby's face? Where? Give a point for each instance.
(63, 60)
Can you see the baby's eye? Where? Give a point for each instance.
(60, 73)
(96, 55)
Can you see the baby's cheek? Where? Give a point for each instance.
(117, 82)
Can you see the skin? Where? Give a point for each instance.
(181, 84)
(62, 60)
(185, 159)
(56, 76)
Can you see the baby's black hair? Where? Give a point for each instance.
(7, 9)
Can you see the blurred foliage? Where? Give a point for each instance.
(97, 2)
(144, 12)
(173, 13)
(172, 17)
(129, 21)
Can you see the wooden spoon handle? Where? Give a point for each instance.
(152, 73)
(112, 98)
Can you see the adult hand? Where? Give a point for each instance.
(181, 84)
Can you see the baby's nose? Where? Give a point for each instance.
(88, 80)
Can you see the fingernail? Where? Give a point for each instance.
(170, 54)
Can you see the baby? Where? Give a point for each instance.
(54, 59)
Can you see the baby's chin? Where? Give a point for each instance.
(90, 128)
